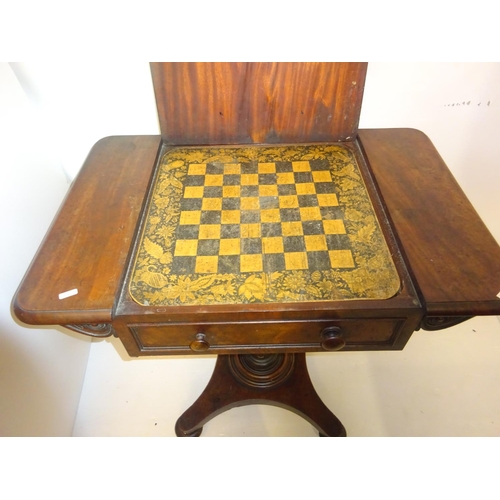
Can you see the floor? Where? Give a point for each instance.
(442, 384)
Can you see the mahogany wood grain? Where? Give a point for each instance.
(454, 257)
(241, 103)
(87, 245)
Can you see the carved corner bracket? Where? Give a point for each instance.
(433, 323)
(93, 329)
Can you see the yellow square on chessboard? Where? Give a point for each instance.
(231, 191)
(190, 217)
(250, 230)
(206, 264)
(290, 201)
(322, 176)
(266, 168)
(295, 260)
(213, 180)
(209, 232)
(293, 228)
(310, 213)
(232, 168)
(229, 246)
(285, 178)
(270, 215)
(305, 188)
(251, 263)
(249, 203)
(197, 169)
(185, 248)
(315, 242)
(193, 192)
(272, 245)
(328, 200)
(341, 258)
(211, 204)
(334, 226)
(249, 179)
(268, 190)
(230, 217)
(301, 166)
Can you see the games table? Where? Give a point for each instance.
(262, 225)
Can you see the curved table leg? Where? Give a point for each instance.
(275, 379)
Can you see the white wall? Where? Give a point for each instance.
(144, 396)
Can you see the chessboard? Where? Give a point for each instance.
(260, 224)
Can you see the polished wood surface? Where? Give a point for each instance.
(88, 243)
(454, 257)
(241, 103)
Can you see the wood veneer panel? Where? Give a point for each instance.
(87, 245)
(241, 103)
(454, 257)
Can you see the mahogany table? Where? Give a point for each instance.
(262, 240)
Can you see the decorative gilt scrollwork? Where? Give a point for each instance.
(434, 323)
(93, 329)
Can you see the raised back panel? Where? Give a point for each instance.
(258, 103)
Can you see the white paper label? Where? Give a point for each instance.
(67, 294)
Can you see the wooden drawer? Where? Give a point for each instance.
(293, 335)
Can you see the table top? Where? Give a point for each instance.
(230, 225)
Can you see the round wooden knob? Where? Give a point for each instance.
(200, 344)
(332, 339)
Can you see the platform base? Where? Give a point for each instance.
(280, 380)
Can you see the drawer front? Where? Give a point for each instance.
(299, 335)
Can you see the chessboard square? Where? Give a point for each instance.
(231, 191)
(301, 166)
(212, 191)
(302, 177)
(210, 217)
(213, 180)
(251, 191)
(307, 200)
(272, 245)
(206, 264)
(229, 264)
(249, 179)
(251, 263)
(338, 242)
(230, 231)
(285, 178)
(211, 204)
(289, 214)
(292, 228)
(328, 200)
(209, 232)
(306, 188)
(293, 244)
(251, 245)
(315, 242)
(231, 180)
(250, 203)
(189, 204)
(324, 187)
(250, 230)
(194, 180)
(296, 260)
(215, 168)
(232, 168)
(208, 247)
(271, 229)
(230, 203)
(197, 169)
(274, 262)
(183, 265)
(193, 192)
(267, 179)
(290, 201)
(266, 168)
(230, 217)
(250, 216)
(190, 217)
(310, 213)
(271, 215)
(312, 227)
(249, 168)
(230, 246)
(187, 232)
(267, 202)
(268, 190)
(334, 226)
(186, 248)
(318, 261)
(286, 189)
(283, 166)
(341, 259)
(321, 176)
